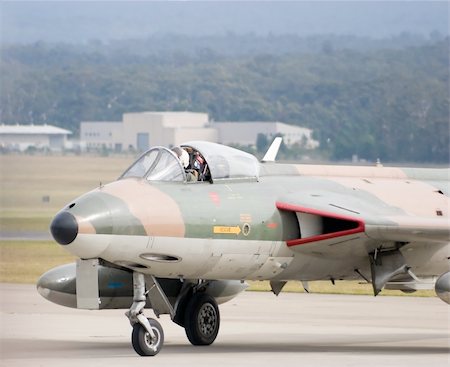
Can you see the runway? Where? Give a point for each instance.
(257, 329)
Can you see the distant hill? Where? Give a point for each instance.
(83, 21)
(375, 102)
(369, 77)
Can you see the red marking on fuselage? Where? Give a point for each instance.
(272, 225)
(215, 198)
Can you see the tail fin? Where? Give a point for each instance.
(272, 152)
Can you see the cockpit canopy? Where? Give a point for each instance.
(220, 163)
(157, 164)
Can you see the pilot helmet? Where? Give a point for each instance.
(183, 156)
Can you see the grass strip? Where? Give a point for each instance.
(340, 287)
(26, 261)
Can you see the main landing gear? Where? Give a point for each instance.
(194, 310)
(201, 319)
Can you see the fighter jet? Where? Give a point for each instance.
(182, 229)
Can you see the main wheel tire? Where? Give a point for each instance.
(140, 339)
(202, 319)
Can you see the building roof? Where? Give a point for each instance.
(33, 129)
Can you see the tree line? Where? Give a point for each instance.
(373, 102)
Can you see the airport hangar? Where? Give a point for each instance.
(21, 137)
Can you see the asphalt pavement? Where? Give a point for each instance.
(257, 329)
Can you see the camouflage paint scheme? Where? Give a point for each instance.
(268, 227)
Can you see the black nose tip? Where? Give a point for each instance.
(64, 228)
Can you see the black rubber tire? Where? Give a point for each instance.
(140, 339)
(202, 319)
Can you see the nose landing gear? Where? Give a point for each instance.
(194, 310)
(147, 337)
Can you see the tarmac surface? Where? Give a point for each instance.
(257, 329)
(25, 236)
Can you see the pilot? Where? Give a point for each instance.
(183, 156)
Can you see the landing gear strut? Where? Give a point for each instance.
(194, 310)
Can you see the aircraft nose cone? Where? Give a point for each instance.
(64, 228)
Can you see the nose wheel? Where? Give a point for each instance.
(143, 343)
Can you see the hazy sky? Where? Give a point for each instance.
(69, 21)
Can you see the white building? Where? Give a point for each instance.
(21, 137)
(246, 133)
(102, 134)
(141, 130)
(146, 129)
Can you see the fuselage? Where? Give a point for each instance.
(235, 229)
